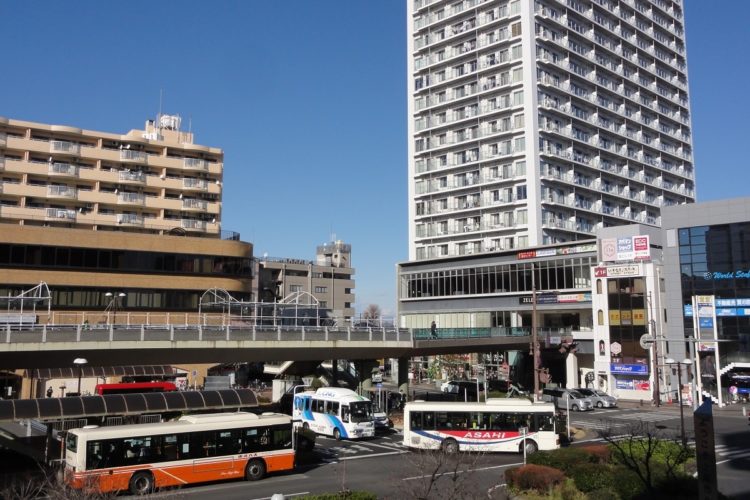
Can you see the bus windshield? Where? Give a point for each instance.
(361, 411)
(71, 442)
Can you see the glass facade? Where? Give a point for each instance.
(121, 261)
(627, 319)
(560, 274)
(715, 260)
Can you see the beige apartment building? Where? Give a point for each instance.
(154, 180)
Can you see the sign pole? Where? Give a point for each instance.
(696, 327)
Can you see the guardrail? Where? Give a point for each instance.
(145, 333)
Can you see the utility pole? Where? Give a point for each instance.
(655, 345)
(534, 341)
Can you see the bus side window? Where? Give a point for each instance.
(250, 440)
(415, 421)
(345, 413)
(334, 408)
(308, 403)
(428, 420)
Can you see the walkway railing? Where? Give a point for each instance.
(479, 333)
(145, 333)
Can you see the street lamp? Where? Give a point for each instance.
(79, 362)
(680, 364)
(113, 303)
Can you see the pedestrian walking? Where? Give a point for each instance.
(433, 330)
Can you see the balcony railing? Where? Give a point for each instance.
(130, 219)
(198, 225)
(63, 169)
(192, 203)
(190, 183)
(132, 176)
(62, 192)
(196, 164)
(131, 198)
(129, 155)
(60, 213)
(64, 147)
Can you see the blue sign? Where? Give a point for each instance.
(626, 368)
(688, 310)
(716, 275)
(624, 384)
(705, 322)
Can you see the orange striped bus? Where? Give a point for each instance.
(194, 449)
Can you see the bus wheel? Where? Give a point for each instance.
(450, 446)
(142, 483)
(337, 434)
(255, 470)
(531, 447)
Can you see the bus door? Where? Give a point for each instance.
(214, 450)
(99, 456)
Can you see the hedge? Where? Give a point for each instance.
(533, 477)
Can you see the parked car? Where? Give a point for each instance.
(600, 398)
(567, 398)
(382, 421)
(464, 386)
(446, 386)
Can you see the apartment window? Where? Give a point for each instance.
(521, 192)
(522, 217)
(518, 98)
(515, 7)
(518, 121)
(515, 52)
(519, 144)
(517, 75)
(515, 29)
(321, 289)
(521, 167)
(295, 288)
(323, 304)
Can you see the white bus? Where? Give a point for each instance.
(193, 449)
(335, 411)
(497, 425)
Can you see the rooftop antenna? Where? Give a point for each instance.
(161, 98)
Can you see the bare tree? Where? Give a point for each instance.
(440, 475)
(646, 450)
(372, 312)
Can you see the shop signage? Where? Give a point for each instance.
(716, 275)
(551, 252)
(617, 271)
(627, 368)
(624, 384)
(626, 248)
(564, 298)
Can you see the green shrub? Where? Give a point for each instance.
(628, 484)
(533, 477)
(591, 476)
(563, 458)
(603, 494)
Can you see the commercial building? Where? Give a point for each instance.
(537, 122)
(707, 276)
(325, 284)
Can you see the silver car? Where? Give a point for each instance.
(567, 399)
(600, 398)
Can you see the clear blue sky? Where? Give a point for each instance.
(308, 101)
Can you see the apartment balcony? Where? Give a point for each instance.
(195, 184)
(3, 139)
(137, 199)
(132, 177)
(2, 162)
(62, 192)
(133, 156)
(60, 214)
(130, 220)
(63, 169)
(193, 225)
(195, 164)
(193, 204)
(65, 147)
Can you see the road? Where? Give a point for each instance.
(384, 467)
(380, 465)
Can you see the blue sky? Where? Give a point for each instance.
(308, 101)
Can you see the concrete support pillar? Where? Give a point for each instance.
(402, 375)
(334, 373)
(571, 372)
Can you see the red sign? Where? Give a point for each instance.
(600, 272)
(482, 434)
(527, 255)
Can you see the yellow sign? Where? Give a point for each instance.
(614, 318)
(639, 316)
(626, 317)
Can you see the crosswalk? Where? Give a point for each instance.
(732, 452)
(357, 450)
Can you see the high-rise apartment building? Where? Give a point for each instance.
(536, 122)
(154, 180)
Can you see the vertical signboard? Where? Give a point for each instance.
(705, 452)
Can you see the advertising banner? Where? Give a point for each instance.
(628, 368)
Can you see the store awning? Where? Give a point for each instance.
(46, 409)
(103, 371)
